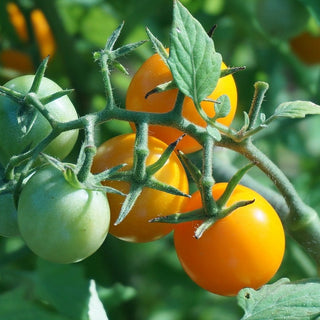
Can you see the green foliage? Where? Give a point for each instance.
(282, 300)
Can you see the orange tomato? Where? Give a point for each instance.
(151, 203)
(244, 249)
(154, 72)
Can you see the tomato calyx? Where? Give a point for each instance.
(108, 56)
(142, 176)
(219, 211)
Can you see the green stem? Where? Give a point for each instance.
(141, 151)
(88, 151)
(259, 94)
(207, 181)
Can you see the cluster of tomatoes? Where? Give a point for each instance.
(243, 249)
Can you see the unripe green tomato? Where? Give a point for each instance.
(8, 216)
(17, 137)
(59, 221)
(282, 18)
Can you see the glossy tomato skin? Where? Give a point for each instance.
(61, 222)
(154, 72)
(151, 203)
(8, 216)
(244, 249)
(15, 139)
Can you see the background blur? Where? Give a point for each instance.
(277, 41)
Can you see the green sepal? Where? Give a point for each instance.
(109, 173)
(158, 46)
(204, 227)
(126, 49)
(153, 183)
(114, 37)
(192, 169)
(153, 168)
(162, 87)
(181, 217)
(232, 70)
(132, 196)
(39, 75)
(54, 96)
(12, 94)
(221, 202)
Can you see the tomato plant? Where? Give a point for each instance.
(243, 249)
(28, 128)
(151, 203)
(154, 72)
(60, 220)
(21, 61)
(8, 216)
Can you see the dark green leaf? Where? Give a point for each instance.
(64, 287)
(193, 61)
(15, 306)
(282, 300)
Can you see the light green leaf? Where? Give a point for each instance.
(282, 300)
(296, 109)
(214, 133)
(222, 107)
(96, 309)
(194, 64)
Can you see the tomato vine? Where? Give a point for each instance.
(195, 75)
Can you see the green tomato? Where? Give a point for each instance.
(59, 221)
(22, 128)
(8, 216)
(282, 19)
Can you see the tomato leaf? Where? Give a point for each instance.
(14, 305)
(214, 132)
(222, 107)
(282, 300)
(194, 64)
(296, 109)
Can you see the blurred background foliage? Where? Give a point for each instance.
(277, 41)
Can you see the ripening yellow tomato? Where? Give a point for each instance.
(154, 72)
